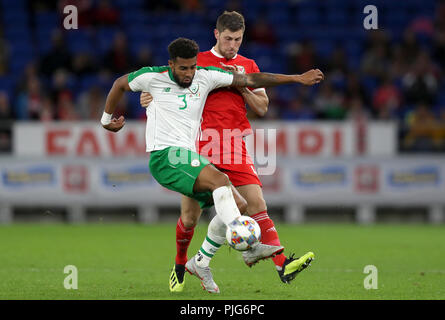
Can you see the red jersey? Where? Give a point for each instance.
(225, 107)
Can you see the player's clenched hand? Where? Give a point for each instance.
(228, 67)
(311, 77)
(234, 69)
(145, 99)
(115, 125)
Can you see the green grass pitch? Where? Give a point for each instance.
(132, 261)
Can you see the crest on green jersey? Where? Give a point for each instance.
(194, 88)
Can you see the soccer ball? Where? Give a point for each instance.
(243, 233)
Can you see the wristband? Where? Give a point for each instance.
(106, 119)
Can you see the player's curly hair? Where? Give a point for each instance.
(183, 48)
(234, 21)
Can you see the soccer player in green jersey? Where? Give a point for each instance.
(179, 93)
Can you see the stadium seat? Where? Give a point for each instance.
(277, 17)
(309, 5)
(135, 17)
(14, 18)
(337, 18)
(335, 5)
(141, 35)
(353, 48)
(397, 18)
(7, 85)
(308, 17)
(104, 38)
(247, 5)
(370, 84)
(279, 64)
(324, 48)
(79, 41)
(441, 98)
(47, 19)
(130, 3)
(438, 109)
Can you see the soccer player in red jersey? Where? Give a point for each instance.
(225, 112)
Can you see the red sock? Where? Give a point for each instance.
(183, 237)
(269, 234)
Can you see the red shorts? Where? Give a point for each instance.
(232, 159)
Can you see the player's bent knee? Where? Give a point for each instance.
(220, 180)
(256, 205)
(190, 216)
(189, 221)
(242, 205)
(210, 179)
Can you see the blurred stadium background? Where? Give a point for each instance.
(365, 146)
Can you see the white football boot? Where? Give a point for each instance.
(259, 252)
(204, 274)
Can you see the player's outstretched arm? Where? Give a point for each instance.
(257, 101)
(120, 85)
(264, 79)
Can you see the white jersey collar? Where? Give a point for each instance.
(218, 55)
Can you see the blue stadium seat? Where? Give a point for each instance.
(18, 35)
(354, 62)
(47, 19)
(324, 48)
(123, 4)
(320, 33)
(205, 43)
(141, 35)
(104, 39)
(370, 84)
(79, 41)
(441, 98)
(43, 40)
(7, 85)
(289, 33)
(309, 5)
(254, 50)
(137, 46)
(397, 18)
(167, 33)
(335, 4)
(46, 29)
(276, 5)
(86, 82)
(338, 82)
(189, 19)
(277, 17)
(279, 64)
(361, 4)
(18, 64)
(14, 18)
(353, 48)
(10, 5)
(247, 5)
(337, 18)
(193, 31)
(135, 17)
(286, 92)
(308, 17)
(438, 110)
(22, 46)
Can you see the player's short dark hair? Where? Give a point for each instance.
(234, 21)
(183, 48)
